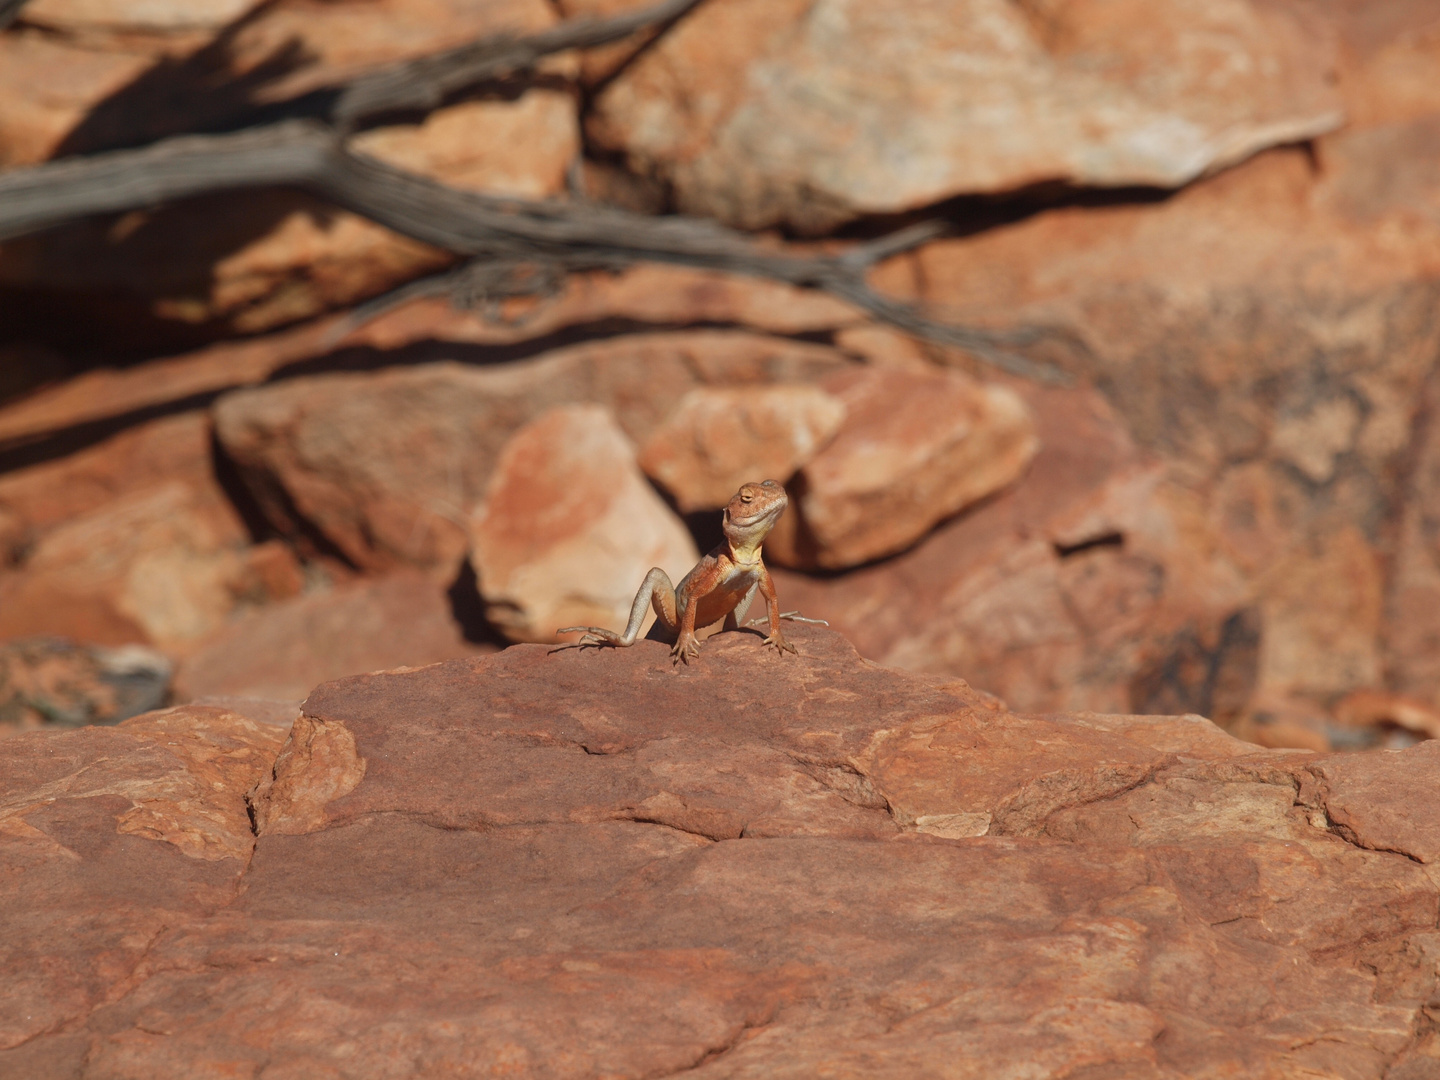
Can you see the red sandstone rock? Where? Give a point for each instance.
(280, 651)
(174, 448)
(1379, 708)
(1410, 638)
(589, 863)
(165, 566)
(387, 466)
(915, 448)
(569, 527)
(1084, 586)
(78, 17)
(109, 836)
(261, 710)
(1266, 335)
(132, 539)
(1388, 52)
(717, 439)
(658, 295)
(761, 112)
(48, 84)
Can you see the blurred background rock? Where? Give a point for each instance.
(1225, 214)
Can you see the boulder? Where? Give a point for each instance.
(171, 449)
(569, 527)
(916, 447)
(279, 652)
(164, 566)
(519, 148)
(1267, 335)
(809, 114)
(132, 539)
(721, 437)
(48, 84)
(386, 466)
(1089, 584)
(590, 863)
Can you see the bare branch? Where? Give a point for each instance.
(562, 236)
(44, 195)
(426, 82)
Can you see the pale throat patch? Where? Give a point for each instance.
(745, 557)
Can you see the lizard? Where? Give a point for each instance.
(722, 585)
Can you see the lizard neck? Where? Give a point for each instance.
(744, 555)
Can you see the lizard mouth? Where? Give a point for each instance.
(746, 522)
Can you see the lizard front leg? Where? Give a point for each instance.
(698, 584)
(655, 591)
(772, 603)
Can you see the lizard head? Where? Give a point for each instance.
(752, 513)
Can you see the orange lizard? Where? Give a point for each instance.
(722, 585)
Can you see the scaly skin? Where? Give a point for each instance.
(721, 586)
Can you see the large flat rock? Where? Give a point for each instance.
(761, 112)
(583, 863)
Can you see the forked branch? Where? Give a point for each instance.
(513, 246)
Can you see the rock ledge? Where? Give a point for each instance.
(585, 863)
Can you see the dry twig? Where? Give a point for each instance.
(426, 82)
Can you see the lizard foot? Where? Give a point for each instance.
(685, 647)
(781, 645)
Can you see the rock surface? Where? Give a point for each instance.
(110, 837)
(660, 296)
(720, 438)
(569, 528)
(279, 651)
(76, 17)
(915, 448)
(387, 466)
(1089, 584)
(172, 449)
(48, 84)
(1269, 335)
(760, 112)
(592, 864)
(165, 566)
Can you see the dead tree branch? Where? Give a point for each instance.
(426, 82)
(561, 236)
(514, 247)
